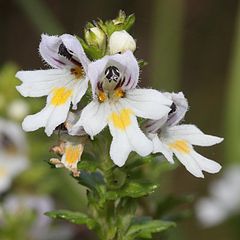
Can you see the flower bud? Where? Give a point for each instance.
(95, 37)
(121, 41)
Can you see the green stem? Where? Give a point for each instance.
(166, 44)
(232, 123)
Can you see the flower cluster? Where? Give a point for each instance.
(104, 64)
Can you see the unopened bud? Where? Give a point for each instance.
(95, 37)
(121, 41)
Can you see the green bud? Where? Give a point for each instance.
(94, 36)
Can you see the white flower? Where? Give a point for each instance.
(121, 41)
(170, 138)
(13, 158)
(18, 109)
(224, 199)
(117, 102)
(66, 83)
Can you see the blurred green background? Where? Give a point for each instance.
(191, 46)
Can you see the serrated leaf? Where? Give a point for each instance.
(73, 217)
(145, 227)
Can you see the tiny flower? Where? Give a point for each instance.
(121, 41)
(117, 102)
(18, 109)
(170, 138)
(66, 83)
(71, 155)
(13, 158)
(95, 37)
(224, 199)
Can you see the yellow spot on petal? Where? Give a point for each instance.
(78, 72)
(73, 153)
(102, 96)
(121, 120)
(180, 146)
(60, 96)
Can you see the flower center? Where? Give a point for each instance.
(110, 86)
(180, 146)
(78, 72)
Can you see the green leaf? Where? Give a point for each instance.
(132, 189)
(93, 181)
(73, 217)
(144, 228)
(129, 22)
(122, 22)
(138, 162)
(88, 163)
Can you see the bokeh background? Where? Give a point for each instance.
(190, 45)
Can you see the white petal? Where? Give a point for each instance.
(210, 213)
(49, 117)
(5, 182)
(148, 103)
(126, 63)
(159, 147)
(93, 118)
(15, 133)
(190, 163)
(95, 71)
(75, 47)
(153, 126)
(49, 50)
(205, 164)
(181, 105)
(193, 135)
(40, 83)
(80, 89)
(10, 167)
(127, 136)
